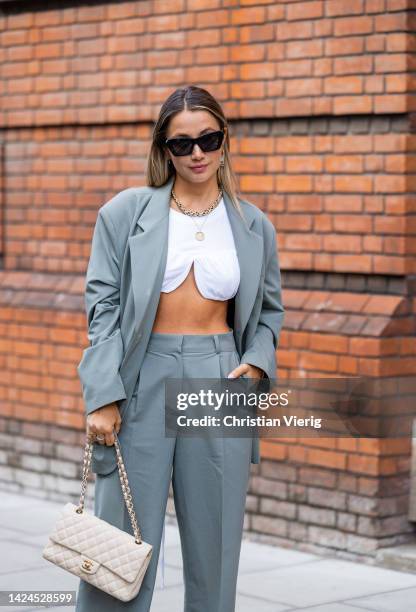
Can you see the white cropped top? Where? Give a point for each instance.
(216, 268)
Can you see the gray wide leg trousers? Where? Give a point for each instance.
(209, 480)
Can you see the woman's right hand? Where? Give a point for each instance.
(102, 421)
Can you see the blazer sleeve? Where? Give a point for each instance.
(261, 351)
(99, 367)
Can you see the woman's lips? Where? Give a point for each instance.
(198, 168)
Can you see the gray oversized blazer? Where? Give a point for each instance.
(123, 283)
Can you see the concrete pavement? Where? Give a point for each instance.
(271, 579)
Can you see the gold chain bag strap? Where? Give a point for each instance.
(100, 553)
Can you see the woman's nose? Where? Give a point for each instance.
(198, 151)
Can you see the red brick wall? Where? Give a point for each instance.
(320, 96)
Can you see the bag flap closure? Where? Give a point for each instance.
(88, 565)
(100, 542)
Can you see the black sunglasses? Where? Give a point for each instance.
(184, 146)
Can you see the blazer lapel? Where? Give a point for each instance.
(249, 247)
(148, 256)
(148, 251)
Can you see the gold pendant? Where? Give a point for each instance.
(200, 235)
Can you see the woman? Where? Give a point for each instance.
(183, 282)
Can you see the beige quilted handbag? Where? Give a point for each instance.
(100, 553)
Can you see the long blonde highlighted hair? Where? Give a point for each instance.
(190, 98)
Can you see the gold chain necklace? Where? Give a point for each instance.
(199, 235)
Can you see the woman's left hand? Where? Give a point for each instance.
(249, 370)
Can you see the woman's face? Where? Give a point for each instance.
(194, 124)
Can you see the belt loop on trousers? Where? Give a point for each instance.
(217, 343)
(181, 341)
